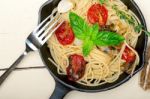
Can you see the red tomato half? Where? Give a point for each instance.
(76, 68)
(65, 34)
(128, 55)
(97, 13)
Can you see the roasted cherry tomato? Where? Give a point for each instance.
(76, 68)
(65, 34)
(128, 55)
(97, 13)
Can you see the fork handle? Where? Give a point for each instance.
(11, 68)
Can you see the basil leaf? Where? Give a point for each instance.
(91, 35)
(106, 38)
(87, 47)
(95, 30)
(79, 26)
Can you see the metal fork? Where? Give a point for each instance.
(37, 38)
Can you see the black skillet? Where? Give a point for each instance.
(63, 85)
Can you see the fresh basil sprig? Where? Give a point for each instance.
(91, 36)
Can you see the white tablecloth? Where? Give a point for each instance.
(17, 19)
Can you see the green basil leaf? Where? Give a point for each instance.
(79, 26)
(106, 38)
(91, 35)
(87, 47)
(95, 30)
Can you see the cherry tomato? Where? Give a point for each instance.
(128, 55)
(76, 68)
(97, 13)
(65, 34)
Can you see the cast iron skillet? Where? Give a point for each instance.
(63, 85)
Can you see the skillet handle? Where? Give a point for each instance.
(60, 91)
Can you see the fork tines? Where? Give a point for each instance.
(47, 27)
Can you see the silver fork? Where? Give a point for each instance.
(37, 38)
